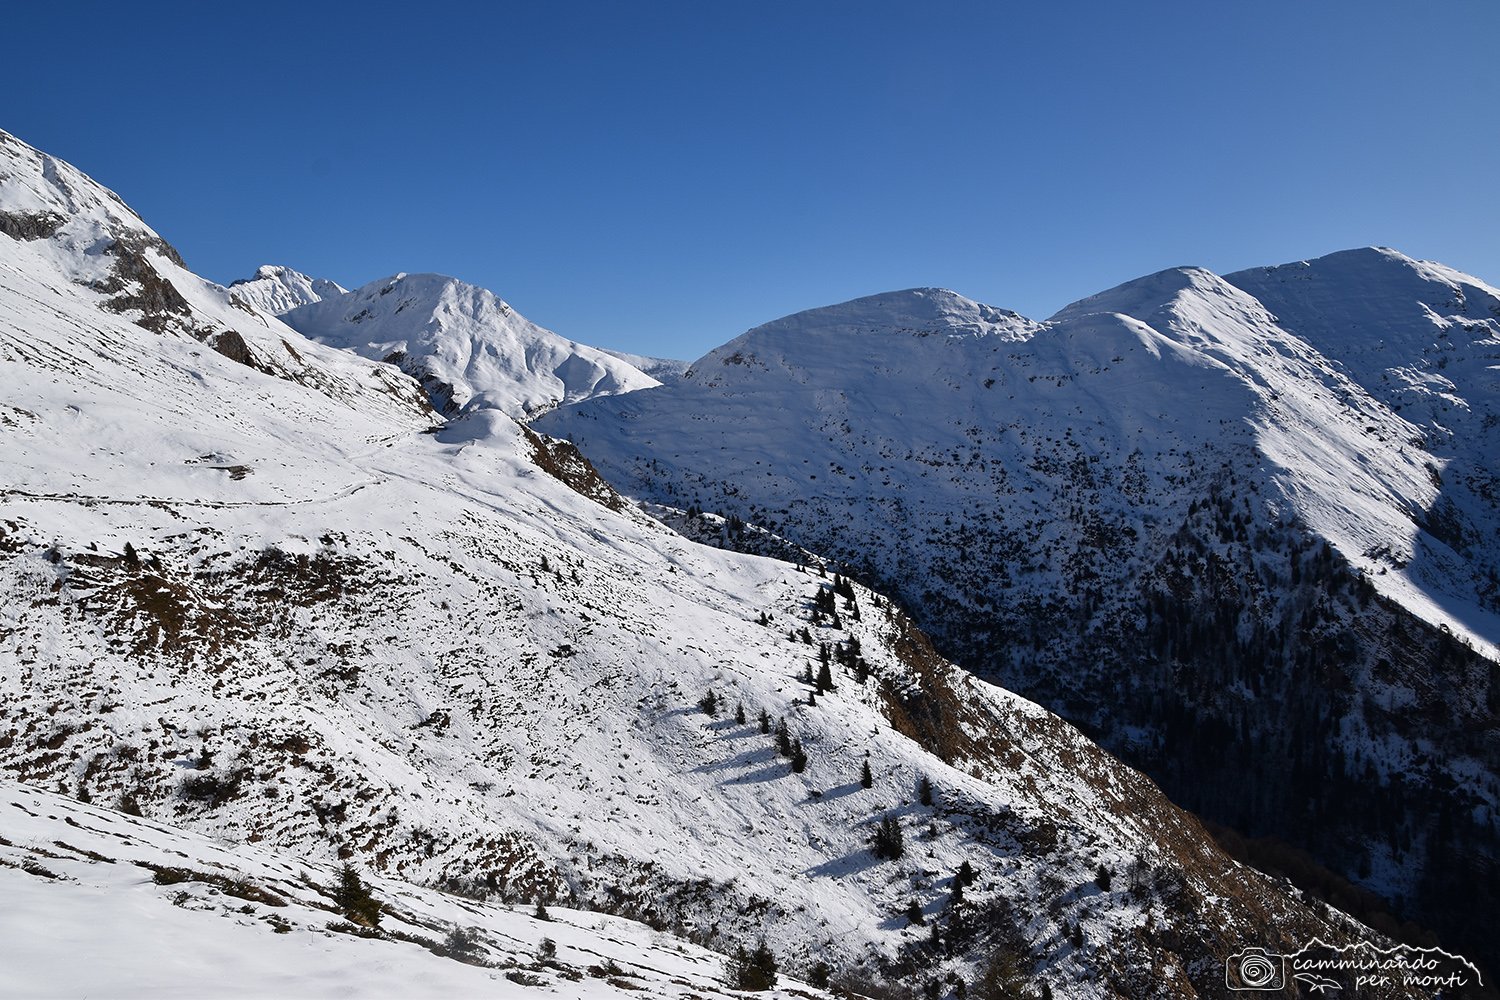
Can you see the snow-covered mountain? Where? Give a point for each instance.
(259, 592)
(467, 347)
(1165, 513)
(277, 290)
(667, 371)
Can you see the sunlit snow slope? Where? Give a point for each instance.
(250, 587)
(470, 349)
(98, 903)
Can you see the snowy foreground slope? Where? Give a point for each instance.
(253, 588)
(98, 903)
(467, 347)
(1264, 573)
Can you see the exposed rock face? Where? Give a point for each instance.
(30, 225)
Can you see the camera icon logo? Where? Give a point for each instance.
(1254, 969)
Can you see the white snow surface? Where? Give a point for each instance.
(478, 352)
(34, 182)
(667, 371)
(351, 631)
(276, 289)
(87, 915)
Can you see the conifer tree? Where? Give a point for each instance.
(799, 758)
(965, 876)
(739, 713)
(709, 703)
(924, 792)
(914, 914)
(888, 843)
(132, 560)
(824, 682)
(752, 970)
(783, 739)
(354, 900)
(866, 779)
(765, 723)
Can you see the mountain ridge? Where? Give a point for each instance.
(1122, 512)
(468, 346)
(256, 589)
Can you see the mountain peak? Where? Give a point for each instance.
(467, 346)
(1141, 297)
(43, 197)
(278, 289)
(919, 311)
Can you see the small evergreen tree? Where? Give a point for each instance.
(765, 723)
(541, 910)
(463, 944)
(354, 900)
(825, 677)
(799, 758)
(914, 914)
(1103, 877)
(866, 779)
(709, 703)
(965, 876)
(924, 791)
(783, 739)
(739, 713)
(547, 949)
(752, 970)
(819, 975)
(889, 842)
(132, 559)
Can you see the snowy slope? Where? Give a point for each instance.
(261, 595)
(667, 371)
(1162, 512)
(1423, 339)
(99, 903)
(470, 349)
(276, 290)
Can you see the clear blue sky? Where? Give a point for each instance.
(659, 177)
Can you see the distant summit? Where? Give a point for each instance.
(469, 348)
(277, 290)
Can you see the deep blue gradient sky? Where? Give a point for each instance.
(658, 177)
